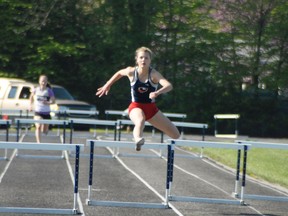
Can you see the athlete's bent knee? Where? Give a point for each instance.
(176, 135)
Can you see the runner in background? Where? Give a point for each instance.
(41, 97)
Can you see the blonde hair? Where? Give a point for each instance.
(143, 49)
(47, 81)
(43, 76)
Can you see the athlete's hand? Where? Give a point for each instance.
(153, 95)
(102, 90)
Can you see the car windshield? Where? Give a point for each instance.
(62, 94)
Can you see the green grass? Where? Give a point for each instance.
(270, 165)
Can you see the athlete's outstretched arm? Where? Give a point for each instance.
(104, 90)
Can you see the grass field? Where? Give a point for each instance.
(266, 164)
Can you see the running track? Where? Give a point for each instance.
(44, 183)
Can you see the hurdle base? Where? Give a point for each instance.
(94, 156)
(231, 136)
(204, 200)
(263, 197)
(126, 204)
(40, 156)
(189, 156)
(39, 211)
(139, 155)
(235, 195)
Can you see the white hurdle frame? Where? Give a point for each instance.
(8, 124)
(94, 122)
(203, 144)
(17, 113)
(100, 143)
(47, 146)
(88, 112)
(267, 145)
(191, 125)
(125, 114)
(129, 122)
(64, 113)
(41, 121)
(115, 112)
(226, 116)
(177, 124)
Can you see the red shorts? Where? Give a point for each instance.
(149, 109)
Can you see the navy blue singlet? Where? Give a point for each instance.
(140, 90)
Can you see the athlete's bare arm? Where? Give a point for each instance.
(104, 90)
(166, 85)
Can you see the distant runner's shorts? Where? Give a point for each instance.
(149, 109)
(39, 115)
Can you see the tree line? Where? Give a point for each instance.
(222, 56)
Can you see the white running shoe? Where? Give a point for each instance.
(139, 143)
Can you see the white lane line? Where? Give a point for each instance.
(80, 204)
(14, 153)
(145, 183)
(209, 183)
(8, 164)
(198, 177)
(79, 201)
(232, 171)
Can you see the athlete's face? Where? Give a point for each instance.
(43, 81)
(143, 59)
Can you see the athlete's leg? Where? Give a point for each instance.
(38, 129)
(138, 118)
(161, 122)
(45, 128)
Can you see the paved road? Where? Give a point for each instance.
(47, 183)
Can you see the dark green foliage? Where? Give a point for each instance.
(207, 49)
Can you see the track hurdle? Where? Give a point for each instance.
(191, 125)
(7, 123)
(78, 113)
(173, 115)
(125, 114)
(47, 146)
(64, 123)
(94, 122)
(115, 112)
(75, 113)
(177, 124)
(121, 122)
(190, 143)
(16, 113)
(41, 121)
(227, 116)
(99, 143)
(129, 122)
(267, 146)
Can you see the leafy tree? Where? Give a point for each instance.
(206, 48)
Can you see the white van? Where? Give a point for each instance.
(14, 101)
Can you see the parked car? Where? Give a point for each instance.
(14, 101)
